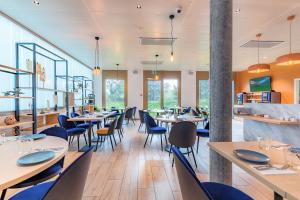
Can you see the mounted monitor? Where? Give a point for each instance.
(260, 84)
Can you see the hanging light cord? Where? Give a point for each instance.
(291, 36)
(97, 53)
(172, 38)
(258, 43)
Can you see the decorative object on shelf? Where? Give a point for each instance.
(48, 105)
(29, 65)
(97, 69)
(42, 75)
(172, 38)
(38, 68)
(259, 67)
(15, 92)
(10, 120)
(42, 111)
(291, 58)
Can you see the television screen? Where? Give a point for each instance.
(260, 84)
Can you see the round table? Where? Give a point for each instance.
(10, 151)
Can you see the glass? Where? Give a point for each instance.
(204, 94)
(154, 97)
(170, 93)
(114, 93)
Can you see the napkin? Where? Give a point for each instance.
(274, 171)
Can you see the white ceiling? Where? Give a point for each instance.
(72, 25)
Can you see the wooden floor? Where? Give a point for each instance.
(133, 172)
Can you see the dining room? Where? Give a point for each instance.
(149, 100)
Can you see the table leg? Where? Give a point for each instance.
(85, 148)
(277, 196)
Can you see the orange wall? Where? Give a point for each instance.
(282, 80)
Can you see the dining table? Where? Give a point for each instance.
(89, 118)
(12, 173)
(284, 182)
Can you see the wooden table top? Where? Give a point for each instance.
(10, 151)
(172, 119)
(287, 185)
(95, 116)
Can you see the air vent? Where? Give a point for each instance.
(262, 44)
(157, 41)
(150, 62)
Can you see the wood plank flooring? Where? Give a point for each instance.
(133, 172)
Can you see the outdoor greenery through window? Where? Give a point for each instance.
(204, 94)
(170, 93)
(154, 94)
(114, 93)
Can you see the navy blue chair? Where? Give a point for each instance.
(153, 129)
(71, 129)
(129, 115)
(80, 124)
(202, 132)
(69, 185)
(186, 111)
(51, 171)
(142, 121)
(193, 189)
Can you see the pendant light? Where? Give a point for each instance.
(291, 58)
(156, 77)
(172, 38)
(97, 69)
(259, 67)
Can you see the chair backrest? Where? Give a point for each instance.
(195, 113)
(183, 134)
(75, 114)
(134, 111)
(120, 121)
(206, 126)
(149, 122)
(112, 126)
(70, 184)
(57, 132)
(63, 122)
(191, 187)
(187, 110)
(129, 113)
(141, 115)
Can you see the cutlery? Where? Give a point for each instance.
(269, 166)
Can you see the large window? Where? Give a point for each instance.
(154, 97)
(203, 94)
(114, 93)
(170, 93)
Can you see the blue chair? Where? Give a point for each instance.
(80, 124)
(51, 171)
(202, 132)
(71, 129)
(69, 185)
(94, 122)
(186, 111)
(193, 189)
(153, 129)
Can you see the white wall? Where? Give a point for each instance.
(135, 89)
(188, 88)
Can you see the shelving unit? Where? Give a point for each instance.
(44, 120)
(17, 124)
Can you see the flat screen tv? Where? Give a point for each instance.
(260, 84)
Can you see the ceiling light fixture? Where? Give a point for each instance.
(258, 68)
(291, 58)
(139, 6)
(36, 2)
(97, 69)
(172, 38)
(156, 77)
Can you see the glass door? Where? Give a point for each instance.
(154, 94)
(170, 94)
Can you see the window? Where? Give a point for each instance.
(154, 91)
(170, 93)
(203, 94)
(114, 93)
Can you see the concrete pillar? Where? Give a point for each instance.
(220, 86)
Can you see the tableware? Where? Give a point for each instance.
(251, 156)
(295, 149)
(36, 158)
(33, 136)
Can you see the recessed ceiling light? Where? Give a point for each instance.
(139, 6)
(36, 2)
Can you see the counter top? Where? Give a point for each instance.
(269, 120)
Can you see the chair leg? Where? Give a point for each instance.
(78, 142)
(139, 127)
(170, 150)
(146, 140)
(112, 146)
(194, 157)
(85, 139)
(151, 139)
(98, 138)
(166, 139)
(197, 143)
(133, 121)
(114, 139)
(161, 142)
(119, 135)
(173, 162)
(188, 152)
(3, 194)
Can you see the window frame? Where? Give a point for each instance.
(200, 75)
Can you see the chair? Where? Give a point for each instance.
(107, 132)
(198, 110)
(186, 111)
(129, 115)
(153, 129)
(49, 172)
(202, 132)
(193, 189)
(80, 124)
(68, 186)
(119, 126)
(134, 112)
(195, 113)
(142, 121)
(71, 129)
(183, 135)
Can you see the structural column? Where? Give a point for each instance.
(220, 86)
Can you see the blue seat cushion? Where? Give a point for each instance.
(84, 125)
(158, 129)
(220, 191)
(33, 193)
(94, 122)
(75, 131)
(203, 132)
(42, 176)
